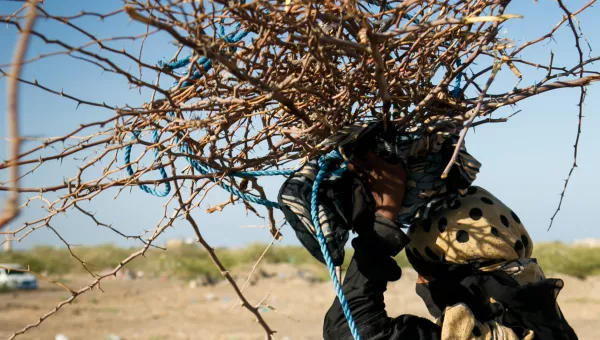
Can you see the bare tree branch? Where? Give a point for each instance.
(12, 116)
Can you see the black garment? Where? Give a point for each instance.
(366, 279)
(531, 306)
(521, 307)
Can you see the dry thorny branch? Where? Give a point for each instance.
(247, 97)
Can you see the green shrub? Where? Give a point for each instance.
(579, 261)
(188, 262)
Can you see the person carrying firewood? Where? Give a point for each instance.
(471, 252)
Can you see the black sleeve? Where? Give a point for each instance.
(532, 306)
(366, 280)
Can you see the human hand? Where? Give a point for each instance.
(386, 181)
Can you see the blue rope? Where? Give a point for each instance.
(206, 170)
(175, 64)
(260, 173)
(235, 36)
(161, 170)
(322, 163)
(231, 38)
(456, 90)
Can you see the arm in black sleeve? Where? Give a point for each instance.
(532, 306)
(371, 268)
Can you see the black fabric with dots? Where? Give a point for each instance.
(455, 205)
(442, 224)
(462, 236)
(504, 220)
(474, 228)
(426, 225)
(515, 217)
(475, 214)
(487, 200)
(431, 254)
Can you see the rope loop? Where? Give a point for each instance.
(161, 169)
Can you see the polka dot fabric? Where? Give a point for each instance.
(475, 228)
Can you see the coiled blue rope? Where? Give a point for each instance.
(237, 35)
(206, 170)
(161, 170)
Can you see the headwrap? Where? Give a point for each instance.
(477, 253)
(477, 229)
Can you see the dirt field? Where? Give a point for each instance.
(163, 309)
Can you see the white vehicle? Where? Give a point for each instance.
(16, 279)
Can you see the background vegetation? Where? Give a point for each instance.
(189, 262)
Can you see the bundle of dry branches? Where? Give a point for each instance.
(257, 85)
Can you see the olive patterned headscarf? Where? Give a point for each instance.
(476, 229)
(483, 283)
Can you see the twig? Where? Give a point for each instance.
(467, 125)
(12, 118)
(580, 110)
(244, 302)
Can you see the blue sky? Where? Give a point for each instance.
(524, 161)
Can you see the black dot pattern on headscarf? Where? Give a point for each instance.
(475, 214)
(462, 236)
(426, 225)
(455, 204)
(487, 200)
(476, 331)
(504, 220)
(515, 217)
(519, 246)
(416, 253)
(442, 224)
(525, 240)
(431, 254)
(472, 190)
(494, 231)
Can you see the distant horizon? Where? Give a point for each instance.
(584, 242)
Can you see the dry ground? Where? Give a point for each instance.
(163, 309)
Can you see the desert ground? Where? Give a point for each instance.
(171, 309)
